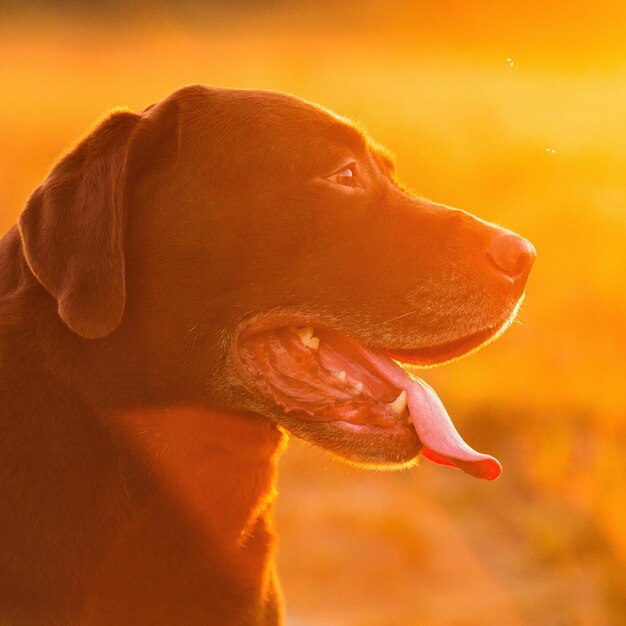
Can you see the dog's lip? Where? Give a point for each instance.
(446, 351)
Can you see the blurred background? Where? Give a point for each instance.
(513, 111)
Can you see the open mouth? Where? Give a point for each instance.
(322, 376)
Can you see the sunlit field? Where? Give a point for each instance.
(528, 131)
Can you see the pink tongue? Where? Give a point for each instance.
(442, 442)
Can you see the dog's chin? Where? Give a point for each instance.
(373, 447)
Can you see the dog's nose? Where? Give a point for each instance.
(512, 254)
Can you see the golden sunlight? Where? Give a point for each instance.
(513, 113)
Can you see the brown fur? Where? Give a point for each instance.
(137, 468)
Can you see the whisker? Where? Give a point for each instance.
(397, 317)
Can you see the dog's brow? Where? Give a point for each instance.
(385, 160)
(351, 135)
(361, 142)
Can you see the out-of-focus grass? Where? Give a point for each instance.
(537, 147)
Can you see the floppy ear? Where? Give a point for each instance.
(73, 225)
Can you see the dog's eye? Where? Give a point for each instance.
(345, 176)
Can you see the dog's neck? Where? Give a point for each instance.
(210, 519)
(219, 468)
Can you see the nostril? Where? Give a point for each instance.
(511, 254)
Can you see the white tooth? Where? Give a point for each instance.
(399, 404)
(307, 338)
(305, 333)
(359, 385)
(341, 375)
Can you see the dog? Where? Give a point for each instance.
(188, 285)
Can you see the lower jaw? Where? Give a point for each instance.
(369, 446)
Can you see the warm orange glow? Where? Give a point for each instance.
(517, 116)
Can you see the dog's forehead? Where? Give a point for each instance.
(286, 110)
(248, 113)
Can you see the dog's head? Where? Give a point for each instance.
(256, 253)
